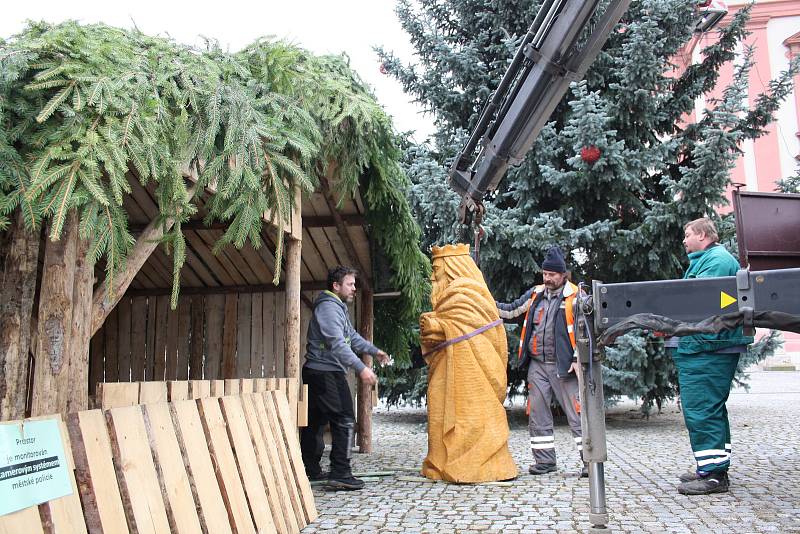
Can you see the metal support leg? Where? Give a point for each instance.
(593, 418)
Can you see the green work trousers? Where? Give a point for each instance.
(705, 381)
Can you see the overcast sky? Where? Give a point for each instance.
(333, 26)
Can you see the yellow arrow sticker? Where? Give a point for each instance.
(725, 300)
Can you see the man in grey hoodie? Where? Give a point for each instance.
(332, 348)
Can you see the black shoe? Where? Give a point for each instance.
(345, 483)
(713, 483)
(321, 475)
(585, 470)
(541, 469)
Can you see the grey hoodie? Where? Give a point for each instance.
(333, 343)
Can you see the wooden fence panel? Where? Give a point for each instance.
(243, 448)
(152, 392)
(175, 488)
(202, 477)
(138, 338)
(124, 339)
(215, 312)
(243, 333)
(139, 485)
(184, 336)
(117, 394)
(102, 501)
(197, 342)
(229, 337)
(220, 449)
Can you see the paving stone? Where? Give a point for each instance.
(645, 456)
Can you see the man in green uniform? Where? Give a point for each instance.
(706, 364)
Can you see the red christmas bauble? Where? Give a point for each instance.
(590, 154)
(382, 68)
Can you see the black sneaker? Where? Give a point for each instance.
(541, 469)
(713, 483)
(321, 475)
(585, 470)
(345, 483)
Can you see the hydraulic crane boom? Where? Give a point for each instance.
(555, 52)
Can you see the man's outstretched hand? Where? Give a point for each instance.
(382, 357)
(368, 377)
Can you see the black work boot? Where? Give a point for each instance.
(319, 475)
(688, 476)
(345, 483)
(541, 469)
(713, 483)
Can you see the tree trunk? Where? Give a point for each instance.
(364, 390)
(19, 254)
(51, 374)
(292, 325)
(78, 398)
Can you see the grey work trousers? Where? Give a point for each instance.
(543, 385)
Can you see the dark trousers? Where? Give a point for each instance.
(329, 401)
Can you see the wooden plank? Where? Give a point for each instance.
(257, 336)
(230, 256)
(246, 385)
(184, 324)
(276, 493)
(175, 487)
(243, 334)
(112, 332)
(259, 385)
(229, 338)
(117, 394)
(178, 390)
(244, 451)
(99, 491)
(207, 257)
(271, 423)
(302, 407)
(160, 344)
(232, 386)
(65, 513)
(227, 472)
(171, 366)
(152, 319)
(209, 237)
(152, 392)
(279, 460)
(217, 388)
(124, 310)
(214, 323)
(133, 461)
(197, 338)
(26, 520)
(138, 338)
(280, 326)
(199, 389)
(292, 444)
(211, 506)
(268, 319)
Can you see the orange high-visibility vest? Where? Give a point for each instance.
(569, 314)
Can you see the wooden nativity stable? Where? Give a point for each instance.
(296, 137)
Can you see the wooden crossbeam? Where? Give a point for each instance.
(226, 290)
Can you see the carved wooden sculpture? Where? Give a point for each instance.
(467, 425)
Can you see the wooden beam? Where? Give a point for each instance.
(342, 230)
(19, 256)
(188, 225)
(325, 221)
(291, 329)
(103, 301)
(226, 290)
(364, 390)
(78, 392)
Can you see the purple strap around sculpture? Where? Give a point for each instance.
(474, 333)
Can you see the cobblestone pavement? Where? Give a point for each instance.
(645, 457)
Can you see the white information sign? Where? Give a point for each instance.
(33, 468)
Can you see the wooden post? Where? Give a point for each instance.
(51, 372)
(291, 330)
(78, 391)
(19, 254)
(365, 391)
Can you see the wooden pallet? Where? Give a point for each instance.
(210, 464)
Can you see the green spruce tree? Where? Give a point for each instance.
(621, 216)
